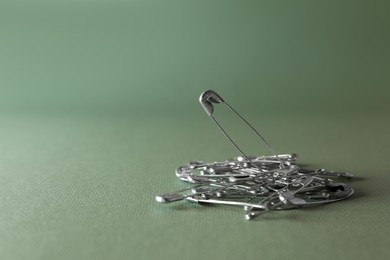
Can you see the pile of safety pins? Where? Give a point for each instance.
(258, 184)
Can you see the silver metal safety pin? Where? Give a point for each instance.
(256, 183)
(210, 97)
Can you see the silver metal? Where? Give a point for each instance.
(257, 183)
(210, 97)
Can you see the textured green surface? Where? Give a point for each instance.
(83, 188)
(98, 106)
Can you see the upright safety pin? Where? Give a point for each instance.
(210, 97)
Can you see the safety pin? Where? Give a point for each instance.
(225, 202)
(207, 99)
(258, 183)
(286, 196)
(206, 189)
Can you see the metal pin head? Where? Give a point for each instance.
(170, 197)
(207, 99)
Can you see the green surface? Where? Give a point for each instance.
(98, 106)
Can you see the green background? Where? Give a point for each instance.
(99, 105)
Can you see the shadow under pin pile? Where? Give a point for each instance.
(258, 184)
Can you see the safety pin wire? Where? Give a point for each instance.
(207, 98)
